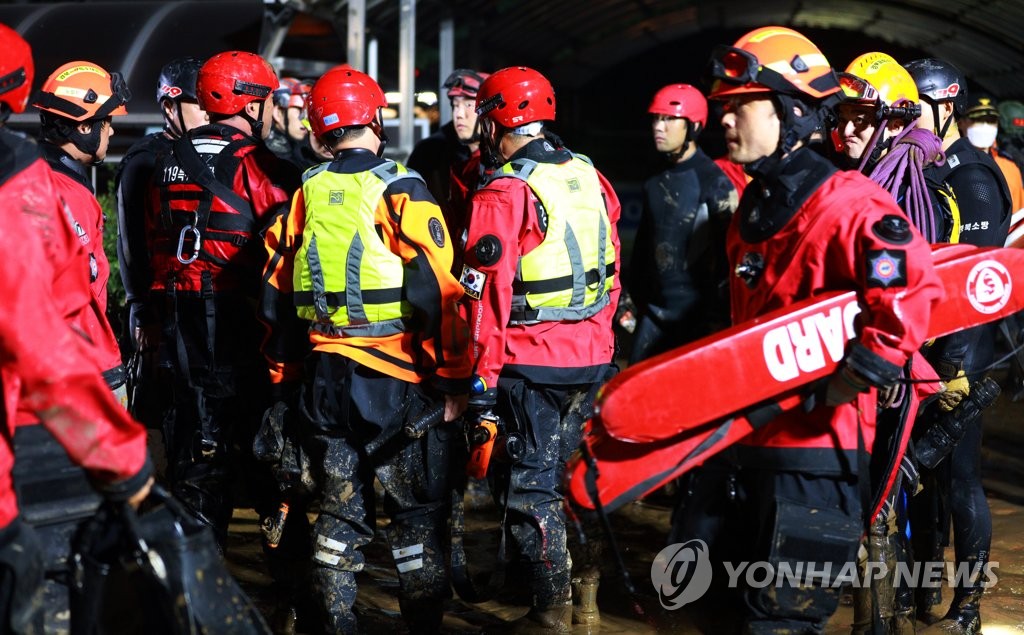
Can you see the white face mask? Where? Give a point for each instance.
(982, 135)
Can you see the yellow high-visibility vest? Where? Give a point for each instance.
(569, 275)
(346, 280)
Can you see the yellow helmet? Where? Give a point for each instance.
(877, 79)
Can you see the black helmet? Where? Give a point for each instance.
(938, 80)
(178, 79)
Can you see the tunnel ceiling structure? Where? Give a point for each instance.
(574, 41)
(577, 40)
(604, 57)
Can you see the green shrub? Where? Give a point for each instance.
(115, 289)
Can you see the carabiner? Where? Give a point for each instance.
(197, 242)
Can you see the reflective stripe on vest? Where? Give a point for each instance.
(346, 280)
(576, 248)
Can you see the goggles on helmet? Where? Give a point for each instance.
(463, 82)
(738, 67)
(120, 94)
(857, 90)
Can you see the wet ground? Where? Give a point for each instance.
(641, 530)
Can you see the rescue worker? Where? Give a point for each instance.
(449, 159)
(211, 195)
(980, 124)
(804, 228)
(984, 206)
(678, 274)
(46, 363)
(541, 276)
(77, 104)
(877, 132)
(359, 269)
(1011, 130)
(289, 138)
(176, 94)
(879, 99)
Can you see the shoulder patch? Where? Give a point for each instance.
(886, 268)
(473, 281)
(488, 250)
(893, 229)
(436, 231)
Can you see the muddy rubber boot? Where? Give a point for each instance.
(335, 592)
(541, 621)
(876, 603)
(904, 623)
(584, 593)
(863, 608)
(925, 599)
(963, 616)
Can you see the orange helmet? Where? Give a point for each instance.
(83, 90)
(772, 59)
(16, 69)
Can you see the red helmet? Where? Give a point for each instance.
(344, 97)
(464, 82)
(680, 100)
(16, 69)
(772, 59)
(516, 96)
(83, 90)
(291, 93)
(229, 81)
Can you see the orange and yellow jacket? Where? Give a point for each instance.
(360, 266)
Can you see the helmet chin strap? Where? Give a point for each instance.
(490, 141)
(692, 131)
(377, 127)
(88, 143)
(256, 124)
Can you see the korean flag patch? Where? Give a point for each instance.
(473, 282)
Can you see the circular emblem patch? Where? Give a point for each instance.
(885, 268)
(436, 231)
(988, 286)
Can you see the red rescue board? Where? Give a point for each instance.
(779, 351)
(647, 430)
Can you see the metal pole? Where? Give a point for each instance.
(445, 64)
(407, 64)
(371, 58)
(357, 34)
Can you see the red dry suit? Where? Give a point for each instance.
(833, 231)
(46, 366)
(505, 225)
(85, 217)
